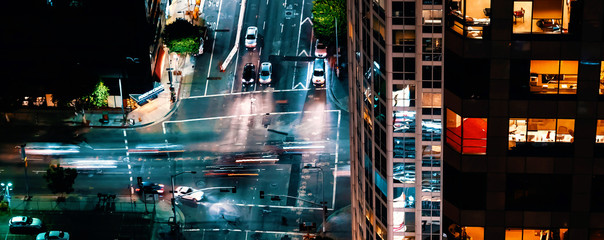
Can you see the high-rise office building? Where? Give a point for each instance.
(396, 88)
(524, 121)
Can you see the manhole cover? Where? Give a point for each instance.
(289, 13)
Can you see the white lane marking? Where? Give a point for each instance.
(335, 172)
(239, 230)
(108, 149)
(260, 53)
(308, 75)
(235, 73)
(294, 75)
(300, 27)
(281, 27)
(245, 115)
(124, 133)
(213, 45)
(267, 2)
(241, 93)
(276, 206)
(264, 24)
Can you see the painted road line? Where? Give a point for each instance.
(260, 91)
(244, 115)
(335, 172)
(283, 207)
(213, 47)
(239, 230)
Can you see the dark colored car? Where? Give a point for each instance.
(249, 73)
(150, 187)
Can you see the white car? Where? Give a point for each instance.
(24, 224)
(318, 73)
(251, 36)
(195, 196)
(266, 72)
(182, 190)
(53, 235)
(320, 49)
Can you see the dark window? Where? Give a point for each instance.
(538, 192)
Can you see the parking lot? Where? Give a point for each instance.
(85, 224)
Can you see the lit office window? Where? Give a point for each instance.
(432, 17)
(537, 234)
(404, 197)
(403, 41)
(467, 135)
(474, 233)
(600, 131)
(540, 130)
(470, 17)
(403, 172)
(553, 77)
(602, 78)
(543, 16)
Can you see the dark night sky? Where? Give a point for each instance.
(60, 46)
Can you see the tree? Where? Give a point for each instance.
(98, 97)
(324, 14)
(182, 37)
(60, 180)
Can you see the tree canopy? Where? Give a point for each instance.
(59, 179)
(182, 37)
(98, 98)
(324, 14)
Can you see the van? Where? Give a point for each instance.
(318, 73)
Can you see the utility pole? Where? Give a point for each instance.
(24, 157)
(323, 205)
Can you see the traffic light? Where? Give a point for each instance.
(261, 194)
(139, 181)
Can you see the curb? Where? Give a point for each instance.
(332, 96)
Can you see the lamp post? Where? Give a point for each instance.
(133, 60)
(173, 199)
(24, 157)
(7, 188)
(323, 203)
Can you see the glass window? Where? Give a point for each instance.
(430, 181)
(431, 129)
(600, 131)
(431, 155)
(431, 100)
(474, 233)
(467, 135)
(404, 197)
(403, 40)
(602, 78)
(403, 13)
(540, 130)
(404, 121)
(535, 234)
(543, 16)
(404, 147)
(403, 172)
(431, 206)
(432, 17)
(553, 77)
(431, 49)
(403, 221)
(403, 95)
(470, 17)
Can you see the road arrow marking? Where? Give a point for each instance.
(307, 18)
(303, 51)
(299, 84)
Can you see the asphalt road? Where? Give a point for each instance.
(220, 123)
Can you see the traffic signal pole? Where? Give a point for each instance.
(323, 206)
(24, 157)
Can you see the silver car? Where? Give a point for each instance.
(20, 224)
(266, 72)
(54, 235)
(251, 36)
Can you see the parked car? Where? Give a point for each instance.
(182, 190)
(22, 224)
(249, 72)
(266, 72)
(251, 37)
(54, 235)
(150, 187)
(320, 49)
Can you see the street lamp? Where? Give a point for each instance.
(7, 188)
(323, 203)
(173, 199)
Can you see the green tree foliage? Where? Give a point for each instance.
(324, 14)
(59, 179)
(182, 37)
(98, 98)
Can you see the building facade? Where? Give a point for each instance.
(523, 113)
(396, 88)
